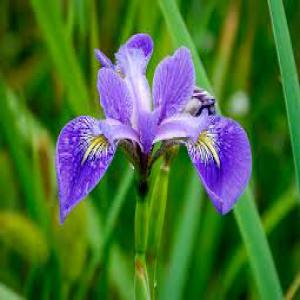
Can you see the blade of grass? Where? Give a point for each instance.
(148, 17)
(94, 43)
(17, 147)
(271, 219)
(121, 274)
(7, 293)
(117, 204)
(181, 36)
(259, 254)
(293, 289)
(129, 20)
(227, 40)
(254, 238)
(207, 9)
(100, 246)
(62, 53)
(209, 242)
(289, 77)
(206, 249)
(177, 271)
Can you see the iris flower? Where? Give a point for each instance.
(175, 112)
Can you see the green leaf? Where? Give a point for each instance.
(62, 53)
(121, 274)
(8, 294)
(17, 129)
(99, 236)
(206, 250)
(129, 20)
(181, 36)
(72, 243)
(289, 77)
(246, 213)
(257, 247)
(23, 236)
(271, 219)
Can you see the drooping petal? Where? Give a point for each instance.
(83, 154)
(173, 83)
(114, 96)
(222, 157)
(132, 59)
(103, 59)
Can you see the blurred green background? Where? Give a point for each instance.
(48, 76)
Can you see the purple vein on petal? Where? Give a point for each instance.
(222, 157)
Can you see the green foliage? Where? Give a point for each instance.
(257, 247)
(71, 240)
(62, 53)
(48, 75)
(21, 235)
(184, 235)
(6, 293)
(245, 211)
(289, 75)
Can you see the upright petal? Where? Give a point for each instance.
(83, 154)
(136, 52)
(173, 83)
(132, 59)
(147, 130)
(114, 96)
(103, 59)
(222, 157)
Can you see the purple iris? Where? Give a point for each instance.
(218, 147)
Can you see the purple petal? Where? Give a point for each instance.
(141, 41)
(83, 155)
(132, 59)
(147, 130)
(222, 157)
(137, 51)
(115, 130)
(114, 95)
(103, 59)
(173, 83)
(181, 126)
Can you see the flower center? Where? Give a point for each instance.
(205, 101)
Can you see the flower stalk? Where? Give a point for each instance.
(141, 280)
(158, 201)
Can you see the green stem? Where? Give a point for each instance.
(141, 281)
(158, 203)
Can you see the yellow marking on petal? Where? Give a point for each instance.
(206, 142)
(98, 143)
